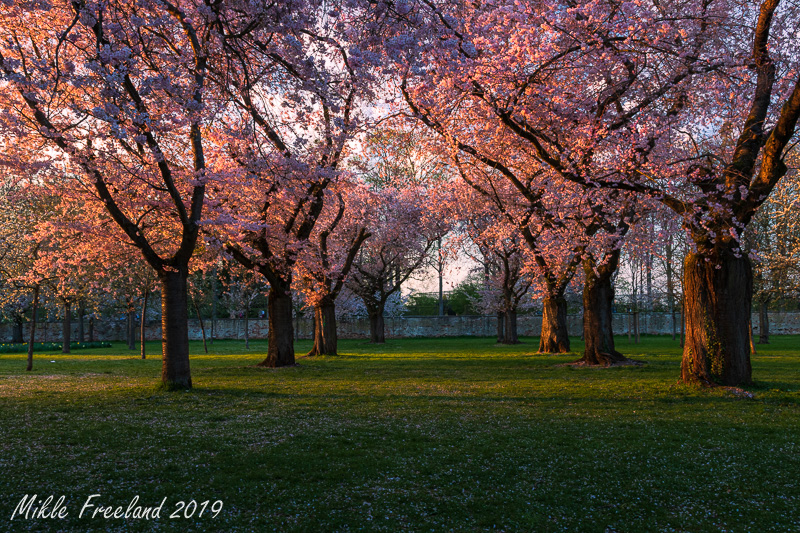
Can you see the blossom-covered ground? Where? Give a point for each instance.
(417, 435)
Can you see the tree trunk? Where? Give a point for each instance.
(441, 291)
(33, 329)
(175, 372)
(281, 329)
(763, 322)
(718, 296)
(510, 322)
(377, 332)
(246, 328)
(81, 312)
(598, 300)
(501, 327)
(142, 326)
(325, 338)
(674, 321)
(213, 307)
(648, 268)
(630, 326)
(91, 329)
(131, 327)
(683, 319)
(202, 326)
(441, 277)
(671, 292)
(66, 328)
(16, 332)
(554, 337)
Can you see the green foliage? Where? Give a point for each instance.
(49, 346)
(452, 434)
(422, 304)
(462, 299)
(393, 158)
(459, 301)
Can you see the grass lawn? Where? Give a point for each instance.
(417, 435)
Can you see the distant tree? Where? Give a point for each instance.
(328, 259)
(296, 94)
(403, 235)
(463, 299)
(422, 304)
(773, 238)
(241, 287)
(22, 276)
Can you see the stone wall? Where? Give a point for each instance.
(415, 326)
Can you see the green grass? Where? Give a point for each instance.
(417, 435)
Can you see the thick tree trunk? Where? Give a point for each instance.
(81, 312)
(281, 329)
(501, 327)
(763, 322)
(377, 332)
(510, 322)
(175, 372)
(142, 326)
(598, 300)
(66, 328)
(91, 329)
(554, 337)
(718, 296)
(325, 338)
(33, 329)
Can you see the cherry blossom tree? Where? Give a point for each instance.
(600, 263)
(109, 101)
(128, 282)
(511, 283)
(22, 209)
(328, 260)
(404, 233)
(70, 259)
(241, 287)
(500, 250)
(560, 225)
(679, 102)
(17, 254)
(295, 91)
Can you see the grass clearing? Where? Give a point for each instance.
(417, 435)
